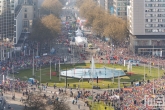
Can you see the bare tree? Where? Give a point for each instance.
(59, 105)
(87, 10)
(46, 29)
(52, 23)
(42, 102)
(35, 102)
(40, 32)
(102, 23)
(115, 29)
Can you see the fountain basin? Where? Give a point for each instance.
(100, 72)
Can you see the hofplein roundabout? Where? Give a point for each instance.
(85, 75)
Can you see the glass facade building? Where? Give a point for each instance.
(120, 8)
(7, 19)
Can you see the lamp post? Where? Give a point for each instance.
(105, 72)
(158, 68)
(33, 64)
(118, 81)
(13, 81)
(40, 73)
(66, 78)
(113, 75)
(50, 70)
(59, 72)
(144, 72)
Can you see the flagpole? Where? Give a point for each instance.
(55, 66)
(50, 70)
(59, 72)
(158, 68)
(144, 72)
(37, 48)
(153, 86)
(118, 81)
(33, 64)
(40, 73)
(92, 80)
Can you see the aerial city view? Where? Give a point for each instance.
(82, 54)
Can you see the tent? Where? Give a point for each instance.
(80, 40)
(114, 97)
(79, 32)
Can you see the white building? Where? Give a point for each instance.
(146, 20)
(120, 8)
(30, 12)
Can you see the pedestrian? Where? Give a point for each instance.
(78, 106)
(73, 102)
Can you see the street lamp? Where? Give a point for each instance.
(40, 72)
(33, 64)
(50, 70)
(13, 81)
(118, 81)
(105, 72)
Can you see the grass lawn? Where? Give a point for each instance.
(137, 76)
(100, 106)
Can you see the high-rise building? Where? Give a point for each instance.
(101, 3)
(7, 15)
(120, 8)
(109, 5)
(146, 19)
(7, 8)
(16, 17)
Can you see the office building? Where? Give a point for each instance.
(16, 17)
(109, 6)
(101, 3)
(146, 19)
(120, 8)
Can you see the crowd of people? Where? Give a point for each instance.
(124, 99)
(120, 53)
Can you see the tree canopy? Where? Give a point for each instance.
(37, 101)
(46, 28)
(102, 23)
(52, 23)
(51, 7)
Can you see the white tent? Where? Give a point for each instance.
(79, 32)
(80, 40)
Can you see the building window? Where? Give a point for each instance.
(15, 41)
(25, 15)
(26, 23)
(25, 9)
